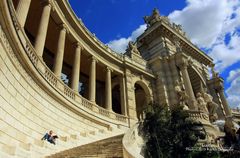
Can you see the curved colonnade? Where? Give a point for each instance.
(55, 74)
(33, 96)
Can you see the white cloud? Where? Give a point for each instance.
(207, 22)
(234, 74)
(120, 45)
(204, 20)
(226, 54)
(233, 92)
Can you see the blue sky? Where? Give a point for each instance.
(213, 25)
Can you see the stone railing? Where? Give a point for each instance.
(51, 78)
(87, 104)
(199, 116)
(69, 92)
(31, 54)
(237, 110)
(104, 112)
(121, 118)
(132, 143)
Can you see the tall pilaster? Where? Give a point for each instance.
(76, 67)
(123, 95)
(22, 11)
(58, 61)
(92, 80)
(42, 28)
(220, 90)
(187, 83)
(108, 89)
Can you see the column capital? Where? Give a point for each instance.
(93, 59)
(183, 64)
(77, 45)
(108, 69)
(182, 60)
(64, 27)
(48, 2)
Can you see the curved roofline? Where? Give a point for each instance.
(96, 45)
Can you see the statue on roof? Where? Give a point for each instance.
(150, 20)
(178, 28)
(132, 48)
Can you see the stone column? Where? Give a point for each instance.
(187, 84)
(220, 91)
(123, 96)
(92, 80)
(58, 61)
(108, 90)
(42, 28)
(22, 11)
(76, 67)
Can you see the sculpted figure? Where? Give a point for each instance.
(133, 48)
(150, 20)
(211, 106)
(201, 103)
(182, 95)
(177, 44)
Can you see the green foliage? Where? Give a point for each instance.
(214, 154)
(204, 154)
(167, 132)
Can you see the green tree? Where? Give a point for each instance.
(167, 133)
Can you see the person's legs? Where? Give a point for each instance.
(51, 140)
(45, 136)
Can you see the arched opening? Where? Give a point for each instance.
(116, 99)
(196, 80)
(142, 99)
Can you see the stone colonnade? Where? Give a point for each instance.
(22, 10)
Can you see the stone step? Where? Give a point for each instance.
(38, 148)
(110, 147)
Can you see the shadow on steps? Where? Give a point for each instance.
(106, 148)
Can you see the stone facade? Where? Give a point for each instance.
(55, 74)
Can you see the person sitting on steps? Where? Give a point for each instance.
(50, 137)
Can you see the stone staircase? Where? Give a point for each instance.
(40, 149)
(106, 148)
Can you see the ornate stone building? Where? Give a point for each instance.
(55, 74)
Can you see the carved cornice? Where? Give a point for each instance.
(164, 30)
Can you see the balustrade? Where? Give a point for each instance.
(69, 92)
(35, 56)
(87, 104)
(104, 112)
